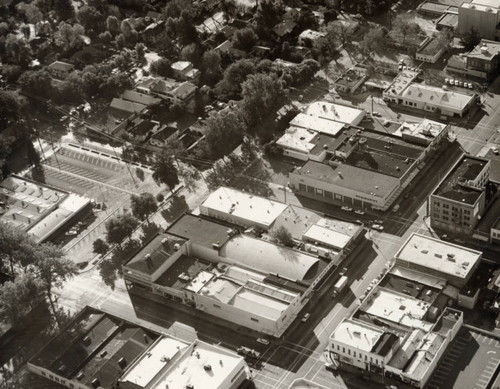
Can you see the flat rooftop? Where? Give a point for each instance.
(336, 112)
(486, 50)
(453, 186)
(350, 78)
(327, 237)
(182, 271)
(155, 253)
(363, 336)
(444, 257)
(156, 359)
(246, 206)
(317, 124)
(200, 230)
(203, 366)
(299, 139)
(426, 130)
(352, 177)
(402, 81)
(397, 308)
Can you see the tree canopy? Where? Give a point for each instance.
(164, 171)
(143, 205)
(120, 227)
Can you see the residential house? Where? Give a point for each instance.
(154, 33)
(60, 70)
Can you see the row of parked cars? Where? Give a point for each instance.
(463, 84)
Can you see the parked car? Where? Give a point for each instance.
(378, 221)
(343, 271)
(378, 227)
(263, 341)
(346, 208)
(305, 317)
(470, 85)
(377, 114)
(359, 212)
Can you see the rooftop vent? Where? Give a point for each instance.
(207, 367)
(96, 383)
(122, 362)
(79, 376)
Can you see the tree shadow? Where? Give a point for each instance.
(176, 208)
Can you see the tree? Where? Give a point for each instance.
(372, 41)
(112, 25)
(16, 248)
(100, 247)
(238, 72)
(161, 67)
(91, 19)
(143, 205)
(262, 93)
(245, 39)
(224, 133)
(105, 37)
(9, 108)
(191, 53)
(190, 176)
(69, 36)
(445, 39)
(64, 9)
(53, 269)
(36, 82)
(140, 51)
(282, 236)
(120, 227)
(404, 26)
(19, 295)
(211, 67)
(164, 171)
(470, 39)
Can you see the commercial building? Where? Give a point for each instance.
(212, 267)
(98, 350)
(173, 363)
(337, 168)
(210, 264)
(461, 198)
(242, 209)
(184, 70)
(482, 15)
(404, 323)
(38, 209)
(484, 60)
(336, 112)
(350, 81)
(438, 258)
(430, 50)
(403, 91)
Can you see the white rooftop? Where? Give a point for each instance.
(336, 112)
(397, 307)
(198, 282)
(154, 360)
(202, 365)
(180, 65)
(444, 257)
(326, 236)
(297, 139)
(317, 124)
(426, 129)
(493, 5)
(357, 334)
(251, 208)
(437, 96)
(424, 357)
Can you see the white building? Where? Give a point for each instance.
(362, 345)
(336, 112)
(427, 132)
(243, 209)
(482, 15)
(173, 363)
(404, 91)
(452, 262)
(430, 50)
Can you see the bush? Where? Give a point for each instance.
(272, 150)
(160, 197)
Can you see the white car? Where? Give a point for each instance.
(359, 212)
(263, 341)
(347, 209)
(378, 227)
(495, 150)
(305, 317)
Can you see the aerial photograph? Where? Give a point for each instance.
(249, 194)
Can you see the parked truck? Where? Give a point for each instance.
(339, 285)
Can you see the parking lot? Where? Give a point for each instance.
(470, 362)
